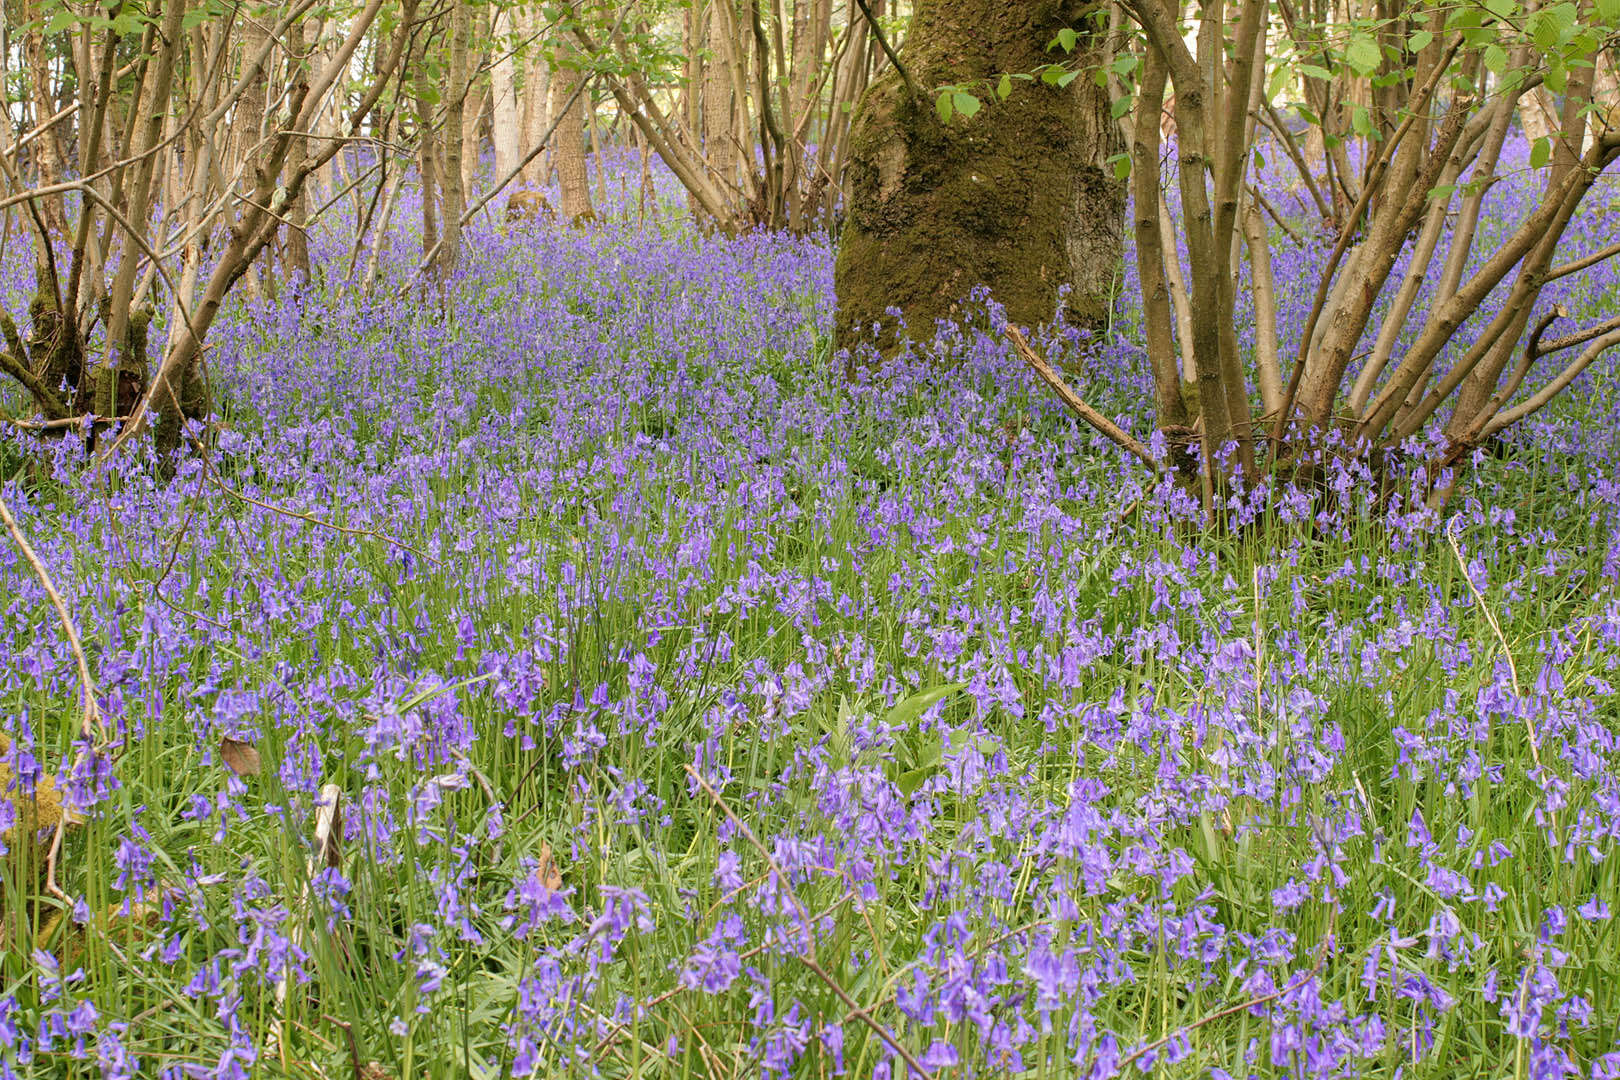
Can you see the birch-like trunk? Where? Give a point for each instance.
(455, 191)
(568, 141)
(507, 123)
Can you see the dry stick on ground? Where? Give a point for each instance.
(808, 958)
(301, 516)
(328, 838)
(66, 422)
(1085, 412)
(1507, 654)
(90, 720)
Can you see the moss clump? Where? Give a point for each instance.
(1015, 198)
(67, 940)
(34, 817)
(36, 811)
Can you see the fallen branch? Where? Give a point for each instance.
(66, 422)
(1115, 433)
(90, 719)
(808, 957)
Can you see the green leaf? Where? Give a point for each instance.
(905, 713)
(1495, 58)
(1278, 80)
(1122, 167)
(1314, 72)
(1067, 77)
(1544, 31)
(942, 105)
(1066, 38)
(1609, 11)
(965, 103)
(1556, 76)
(1420, 40)
(1361, 121)
(1126, 64)
(909, 781)
(1004, 87)
(1363, 54)
(1540, 152)
(63, 20)
(1119, 107)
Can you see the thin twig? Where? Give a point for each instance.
(273, 508)
(1210, 1019)
(808, 957)
(1577, 265)
(888, 50)
(1581, 337)
(66, 422)
(1115, 433)
(90, 720)
(1490, 617)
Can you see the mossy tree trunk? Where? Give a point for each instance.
(1019, 197)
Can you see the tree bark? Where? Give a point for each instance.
(719, 102)
(296, 253)
(568, 141)
(1017, 198)
(536, 108)
(503, 86)
(426, 138)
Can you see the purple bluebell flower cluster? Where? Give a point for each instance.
(696, 713)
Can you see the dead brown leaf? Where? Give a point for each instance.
(547, 874)
(242, 758)
(329, 827)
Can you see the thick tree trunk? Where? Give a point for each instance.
(503, 85)
(568, 140)
(297, 246)
(719, 105)
(454, 179)
(536, 109)
(1017, 198)
(427, 153)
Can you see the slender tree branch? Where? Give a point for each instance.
(808, 957)
(1585, 261)
(90, 717)
(883, 43)
(1113, 431)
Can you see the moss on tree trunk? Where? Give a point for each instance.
(1019, 197)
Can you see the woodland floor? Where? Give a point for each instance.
(695, 713)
